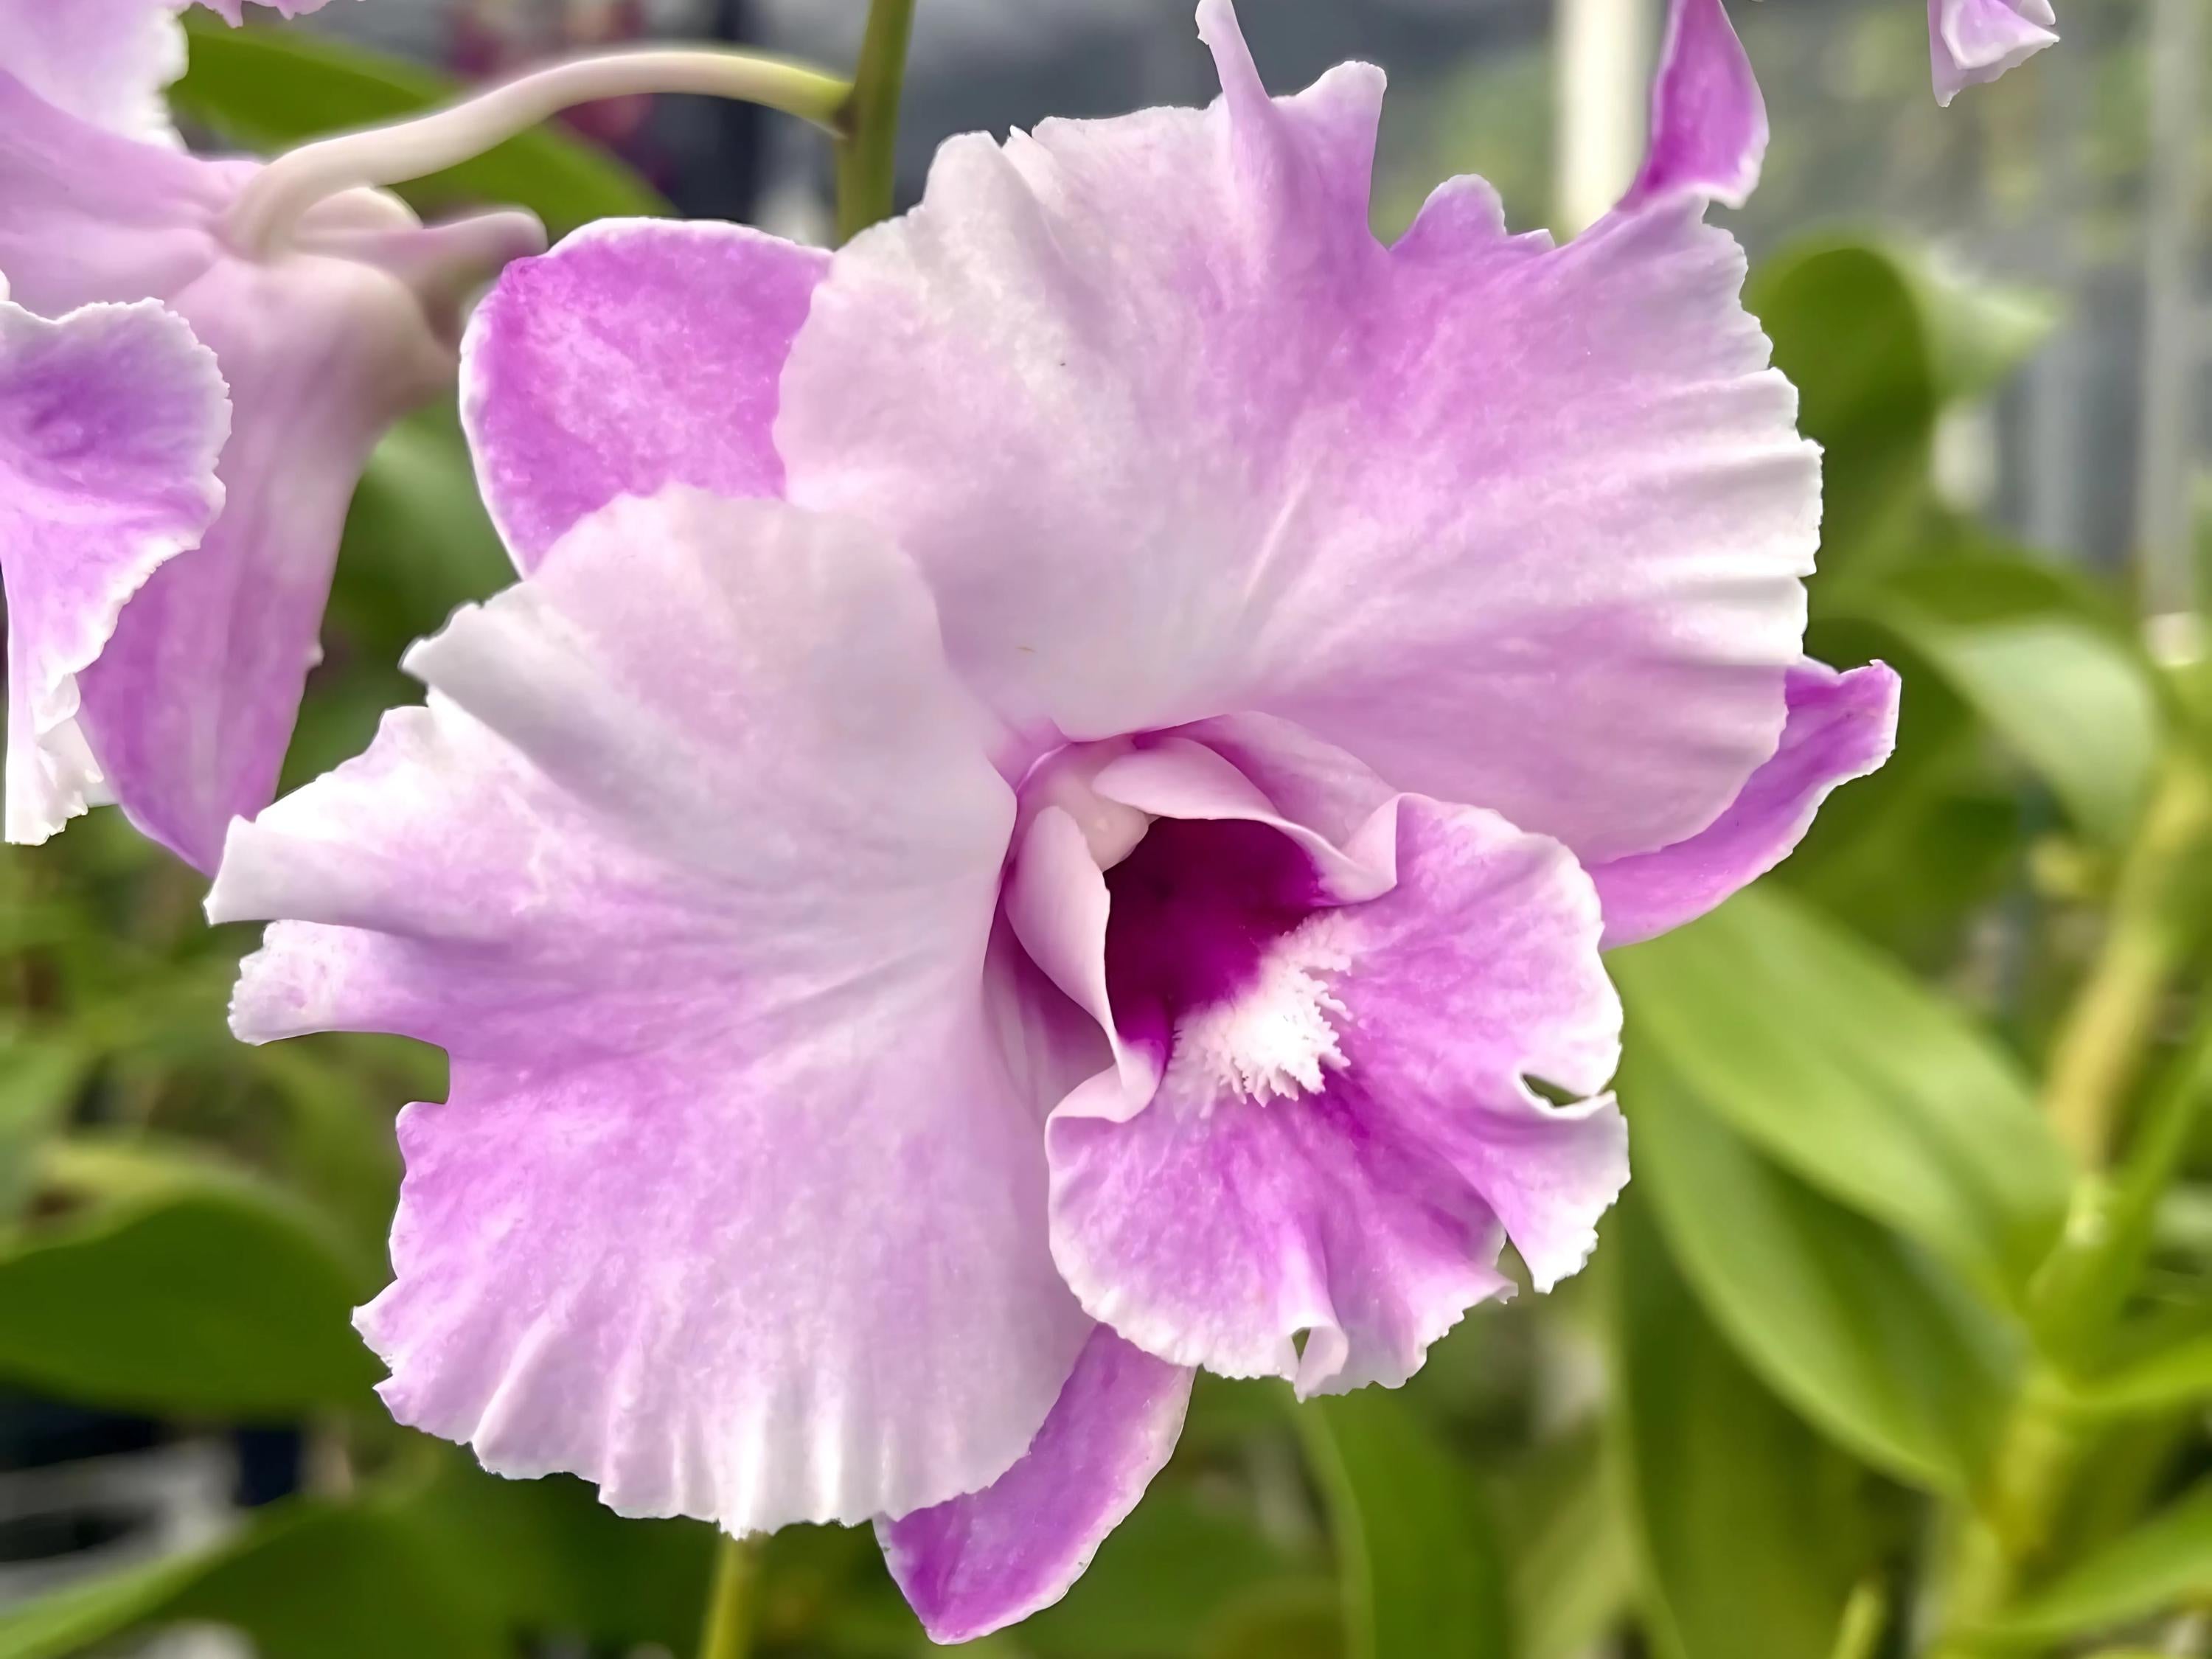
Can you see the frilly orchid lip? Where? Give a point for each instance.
(188, 666)
(1053, 789)
(1972, 41)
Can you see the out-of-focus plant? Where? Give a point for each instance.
(1901, 1342)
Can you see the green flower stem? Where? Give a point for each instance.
(2100, 1047)
(728, 1633)
(2079, 1295)
(2083, 1291)
(867, 126)
(1866, 1615)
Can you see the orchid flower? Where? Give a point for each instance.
(1972, 41)
(155, 660)
(1054, 786)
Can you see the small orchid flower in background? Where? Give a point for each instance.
(1972, 41)
(166, 668)
(1056, 785)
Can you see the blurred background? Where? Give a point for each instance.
(1901, 1343)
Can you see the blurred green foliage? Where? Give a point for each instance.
(1900, 1343)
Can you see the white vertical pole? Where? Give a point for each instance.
(2054, 486)
(1602, 50)
(2174, 348)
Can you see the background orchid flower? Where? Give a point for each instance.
(1056, 782)
(1972, 41)
(188, 667)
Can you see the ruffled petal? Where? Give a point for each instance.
(1971, 41)
(638, 353)
(690, 863)
(1708, 129)
(1841, 726)
(111, 420)
(103, 61)
(1339, 1148)
(1172, 436)
(981, 1562)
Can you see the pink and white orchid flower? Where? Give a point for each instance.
(159, 662)
(1972, 41)
(1056, 781)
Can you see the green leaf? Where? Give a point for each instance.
(1420, 1571)
(39, 1078)
(176, 1287)
(1302, 1621)
(1977, 331)
(2176, 1376)
(1867, 1337)
(1909, 858)
(1172, 1567)
(339, 1149)
(270, 89)
(1877, 340)
(1847, 331)
(2166, 1561)
(1754, 1532)
(77, 1617)
(547, 1556)
(306, 1581)
(2042, 666)
(418, 540)
(1573, 1566)
(359, 1582)
(1841, 1068)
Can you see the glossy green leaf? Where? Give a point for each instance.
(1754, 1532)
(1866, 1336)
(267, 90)
(1977, 331)
(1837, 1065)
(1878, 339)
(2041, 664)
(2165, 1563)
(208, 1292)
(1847, 330)
(306, 1581)
(1419, 1567)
